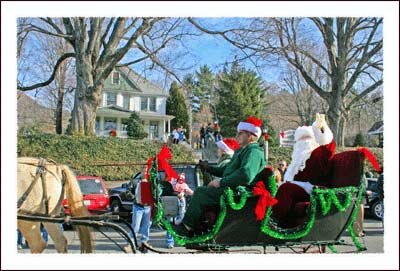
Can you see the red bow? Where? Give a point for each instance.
(265, 200)
(164, 155)
(282, 134)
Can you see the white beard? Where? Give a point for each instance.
(301, 152)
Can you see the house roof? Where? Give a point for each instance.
(377, 128)
(117, 111)
(142, 84)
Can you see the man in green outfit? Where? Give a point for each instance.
(246, 163)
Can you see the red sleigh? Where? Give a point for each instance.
(322, 221)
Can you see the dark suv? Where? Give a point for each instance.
(121, 198)
(374, 205)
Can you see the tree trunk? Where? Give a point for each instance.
(87, 100)
(59, 109)
(60, 96)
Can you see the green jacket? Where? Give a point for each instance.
(245, 164)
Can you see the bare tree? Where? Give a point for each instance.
(98, 45)
(307, 102)
(352, 53)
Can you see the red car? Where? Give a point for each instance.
(95, 194)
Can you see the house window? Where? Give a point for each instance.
(143, 103)
(153, 129)
(110, 124)
(111, 99)
(126, 101)
(153, 104)
(115, 78)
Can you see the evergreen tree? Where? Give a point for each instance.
(204, 85)
(240, 95)
(176, 106)
(191, 84)
(359, 140)
(135, 128)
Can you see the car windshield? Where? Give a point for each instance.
(91, 186)
(189, 174)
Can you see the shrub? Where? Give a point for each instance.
(359, 140)
(81, 153)
(135, 128)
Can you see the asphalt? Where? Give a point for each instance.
(373, 240)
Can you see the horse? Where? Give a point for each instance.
(41, 186)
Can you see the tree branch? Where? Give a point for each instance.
(365, 92)
(36, 28)
(58, 63)
(132, 62)
(158, 62)
(366, 55)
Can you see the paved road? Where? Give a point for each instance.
(373, 241)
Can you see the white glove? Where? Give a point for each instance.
(319, 121)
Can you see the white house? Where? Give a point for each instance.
(126, 91)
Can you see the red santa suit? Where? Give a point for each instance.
(309, 167)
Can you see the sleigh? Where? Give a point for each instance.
(320, 222)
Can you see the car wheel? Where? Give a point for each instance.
(377, 210)
(115, 206)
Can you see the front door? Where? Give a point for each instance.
(153, 129)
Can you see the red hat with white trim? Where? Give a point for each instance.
(251, 125)
(228, 145)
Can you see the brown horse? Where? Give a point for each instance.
(41, 186)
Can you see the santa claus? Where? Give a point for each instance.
(312, 151)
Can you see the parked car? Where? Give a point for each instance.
(374, 205)
(95, 194)
(121, 197)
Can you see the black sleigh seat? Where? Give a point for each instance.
(241, 228)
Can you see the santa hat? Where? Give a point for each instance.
(251, 125)
(303, 131)
(228, 145)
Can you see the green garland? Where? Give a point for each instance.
(350, 229)
(332, 248)
(325, 198)
(328, 196)
(226, 199)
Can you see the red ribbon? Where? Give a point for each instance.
(164, 155)
(265, 200)
(371, 158)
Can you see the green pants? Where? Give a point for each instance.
(204, 196)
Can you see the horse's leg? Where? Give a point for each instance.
(60, 241)
(31, 232)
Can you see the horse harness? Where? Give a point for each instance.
(41, 172)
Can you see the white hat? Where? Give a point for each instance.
(228, 145)
(251, 125)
